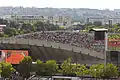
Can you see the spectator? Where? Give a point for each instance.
(78, 39)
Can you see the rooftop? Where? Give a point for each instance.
(99, 29)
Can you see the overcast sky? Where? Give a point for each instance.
(94, 4)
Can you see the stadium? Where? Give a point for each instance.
(91, 49)
(58, 45)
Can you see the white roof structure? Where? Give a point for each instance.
(34, 62)
(2, 25)
(99, 29)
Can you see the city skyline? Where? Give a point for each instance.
(92, 4)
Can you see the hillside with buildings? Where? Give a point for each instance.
(77, 14)
(60, 16)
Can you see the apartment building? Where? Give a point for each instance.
(104, 20)
(57, 20)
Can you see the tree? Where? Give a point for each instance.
(0, 68)
(7, 69)
(51, 27)
(40, 68)
(9, 31)
(46, 69)
(1, 34)
(111, 71)
(89, 28)
(51, 67)
(39, 26)
(115, 28)
(25, 66)
(2, 21)
(97, 70)
(89, 24)
(13, 24)
(103, 71)
(27, 27)
(81, 70)
(67, 68)
(42, 26)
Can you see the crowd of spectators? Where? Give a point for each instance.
(83, 40)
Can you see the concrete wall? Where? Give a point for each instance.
(54, 45)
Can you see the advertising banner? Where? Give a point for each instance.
(113, 42)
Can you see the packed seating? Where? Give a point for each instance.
(83, 40)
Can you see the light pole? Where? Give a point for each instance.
(106, 46)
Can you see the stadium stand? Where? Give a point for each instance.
(82, 40)
(49, 45)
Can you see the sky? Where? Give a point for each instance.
(93, 4)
